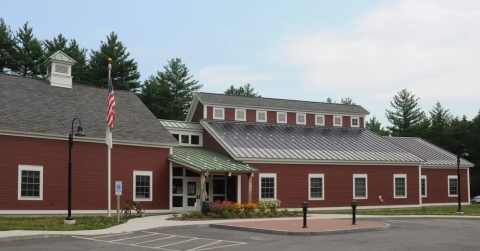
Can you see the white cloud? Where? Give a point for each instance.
(224, 76)
(430, 47)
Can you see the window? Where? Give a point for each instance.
(281, 117)
(354, 122)
(268, 186)
(218, 113)
(301, 119)
(30, 182)
(319, 120)
(188, 138)
(240, 115)
(400, 186)
(185, 139)
(176, 136)
(195, 140)
(315, 187)
(261, 116)
(337, 120)
(424, 185)
(452, 186)
(142, 185)
(360, 187)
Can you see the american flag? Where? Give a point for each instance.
(111, 105)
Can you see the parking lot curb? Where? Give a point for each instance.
(383, 218)
(30, 237)
(285, 232)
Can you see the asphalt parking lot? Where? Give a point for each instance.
(425, 235)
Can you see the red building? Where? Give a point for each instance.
(230, 147)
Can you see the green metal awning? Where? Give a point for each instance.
(207, 160)
(177, 124)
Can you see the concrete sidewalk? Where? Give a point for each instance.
(160, 221)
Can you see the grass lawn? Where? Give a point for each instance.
(56, 223)
(444, 210)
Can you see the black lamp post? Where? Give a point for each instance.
(79, 133)
(463, 153)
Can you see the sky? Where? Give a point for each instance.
(310, 50)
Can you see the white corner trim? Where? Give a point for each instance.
(401, 176)
(30, 168)
(319, 116)
(192, 108)
(468, 182)
(452, 177)
(239, 188)
(244, 114)
(143, 173)
(426, 186)
(261, 120)
(316, 175)
(300, 115)
(278, 117)
(205, 111)
(366, 186)
(170, 185)
(218, 109)
(341, 121)
(352, 119)
(420, 200)
(267, 175)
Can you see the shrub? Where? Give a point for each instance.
(271, 205)
(241, 214)
(250, 207)
(219, 207)
(226, 214)
(196, 214)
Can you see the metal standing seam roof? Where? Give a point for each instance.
(283, 104)
(207, 160)
(34, 106)
(434, 155)
(299, 142)
(176, 124)
(61, 56)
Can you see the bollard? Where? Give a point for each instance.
(354, 211)
(304, 207)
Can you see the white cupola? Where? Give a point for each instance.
(59, 69)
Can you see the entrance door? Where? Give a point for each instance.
(192, 194)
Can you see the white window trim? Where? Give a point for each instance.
(143, 173)
(29, 168)
(425, 178)
(258, 120)
(366, 186)
(281, 122)
(404, 176)
(244, 114)
(267, 175)
(316, 121)
(223, 112)
(316, 175)
(351, 121)
(341, 120)
(304, 119)
(448, 185)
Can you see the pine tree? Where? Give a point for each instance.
(347, 101)
(8, 51)
(30, 56)
(124, 72)
(329, 100)
(169, 94)
(440, 120)
(73, 50)
(407, 118)
(245, 90)
(375, 126)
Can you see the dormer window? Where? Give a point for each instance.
(261, 116)
(337, 120)
(240, 115)
(319, 120)
(354, 122)
(301, 118)
(218, 113)
(281, 117)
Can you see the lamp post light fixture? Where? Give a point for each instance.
(79, 133)
(463, 153)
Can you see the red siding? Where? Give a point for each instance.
(251, 115)
(209, 112)
(362, 119)
(437, 185)
(292, 184)
(291, 118)
(89, 173)
(271, 117)
(328, 120)
(230, 114)
(198, 114)
(345, 121)
(310, 119)
(210, 143)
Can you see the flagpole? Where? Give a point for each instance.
(109, 155)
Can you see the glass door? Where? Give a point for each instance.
(192, 194)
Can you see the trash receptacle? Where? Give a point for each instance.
(205, 207)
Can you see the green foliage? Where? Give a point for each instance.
(125, 73)
(226, 214)
(329, 100)
(29, 56)
(347, 101)
(407, 118)
(271, 205)
(169, 94)
(8, 52)
(375, 126)
(245, 90)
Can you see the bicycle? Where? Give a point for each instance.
(126, 212)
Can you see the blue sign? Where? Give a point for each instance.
(118, 188)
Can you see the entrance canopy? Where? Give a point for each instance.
(205, 160)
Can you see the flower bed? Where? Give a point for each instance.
(233, 210)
